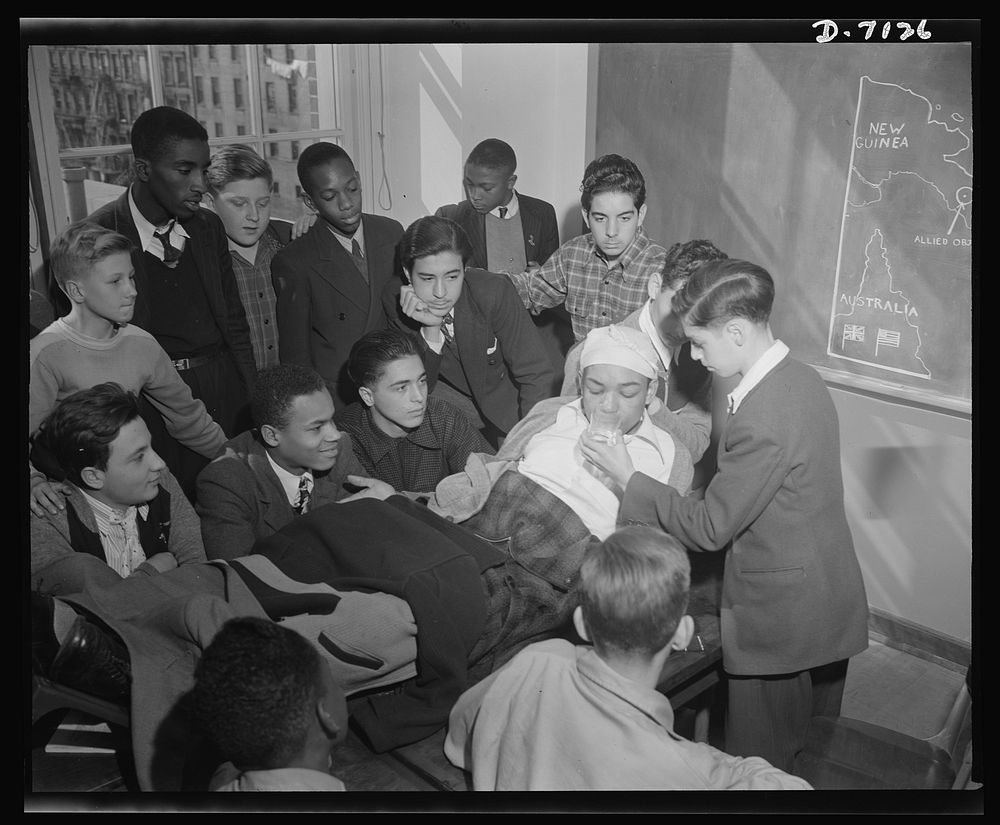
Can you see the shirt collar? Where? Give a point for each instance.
(359, 236)
(512, 208)
(146, 229)
(650, 702)
(289, 481)
(105, 515)
(382, 443)
(767, 362)
(266, 241)
(648, 325)
(628, 257)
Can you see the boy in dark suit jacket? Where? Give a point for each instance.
(474, 334)
(329, 282)
(509, 232)
(793, 601)
(495, 210)
(187, 295)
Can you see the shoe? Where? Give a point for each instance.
(44, 644)
(93, 661)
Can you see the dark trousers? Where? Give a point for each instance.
(768, 716)
(219, 387)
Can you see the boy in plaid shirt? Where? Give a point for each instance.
(601, 276)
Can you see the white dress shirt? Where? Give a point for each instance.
(290, 481)
(767, 362)
(119, 534)
(178, 234)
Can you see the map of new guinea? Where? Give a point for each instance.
(903, 289)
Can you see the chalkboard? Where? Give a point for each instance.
(843, 169)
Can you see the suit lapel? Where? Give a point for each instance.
(471, 333)
(277, 512)
(337, 269)
(199, 251)
(381, 258)
(530, 228)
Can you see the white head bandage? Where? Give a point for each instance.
(621, 346)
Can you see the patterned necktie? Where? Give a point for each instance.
(303, 503)
(448, 329)
(503, 211)
(170, 252)
(359, 259)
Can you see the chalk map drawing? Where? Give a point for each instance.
(902, 296)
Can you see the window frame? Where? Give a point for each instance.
(343, 65)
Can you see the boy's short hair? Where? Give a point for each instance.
(319, 154)
(79, 431)
(374, 350)
(156, 129)
(79, 246)
(237, 162)
(493, 153)
(726, 289)
(432, 235)
(256, 688)
(277, 388)
(633, 589)
(684, 258)
(612, 173)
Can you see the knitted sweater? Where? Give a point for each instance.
(63, 361)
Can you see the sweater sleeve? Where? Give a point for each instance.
(185, 416)
(185, 542)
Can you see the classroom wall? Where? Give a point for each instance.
(908, 492)
(442, 99)
(730, 139)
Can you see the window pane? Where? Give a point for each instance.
(225, 78)
(176, 77)
(96, 105)
(105, 178)
(298, 85)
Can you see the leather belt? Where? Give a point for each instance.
(191, 363)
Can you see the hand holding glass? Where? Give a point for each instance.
(605, 424)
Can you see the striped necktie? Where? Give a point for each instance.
(170, 252)
(303, 502)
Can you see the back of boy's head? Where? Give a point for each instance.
(633, 590)
(157, 129)
(318, 154)
(721, 290)
(79, 246)
(79, 431)
(374, 351)
(612, 173)
(683, 258)
(237, 162)
(255, 692)
(493, 153)
(276, 388)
